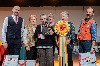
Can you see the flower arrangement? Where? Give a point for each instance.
(62, 28)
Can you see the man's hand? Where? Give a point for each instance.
(77, 37)
(5, 45)
(92, 51)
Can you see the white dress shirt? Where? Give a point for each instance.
(4, 29)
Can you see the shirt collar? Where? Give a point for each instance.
(13, 15)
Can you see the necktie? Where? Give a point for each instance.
(16, 19)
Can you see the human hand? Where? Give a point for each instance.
(57, 42)
(51, 31)
(68, 41)
(27, 48)
(92, 51)
(5, 45)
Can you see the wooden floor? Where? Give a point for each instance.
(75, 60)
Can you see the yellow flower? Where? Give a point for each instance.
(62, 28)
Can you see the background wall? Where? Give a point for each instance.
(76, 14)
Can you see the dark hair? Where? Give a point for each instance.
(42, 15)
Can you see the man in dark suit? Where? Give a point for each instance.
(12, 32)
(43, 36)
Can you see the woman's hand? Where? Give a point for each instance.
(27, 48)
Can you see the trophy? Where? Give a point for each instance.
(46, 27)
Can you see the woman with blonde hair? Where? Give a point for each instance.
(29, 38)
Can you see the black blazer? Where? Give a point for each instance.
(48, 41)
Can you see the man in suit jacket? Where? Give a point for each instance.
(12, 32)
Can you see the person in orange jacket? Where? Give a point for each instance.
(87, 33)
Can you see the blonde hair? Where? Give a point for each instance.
(65, 13)
(32, 16)
(50, 15)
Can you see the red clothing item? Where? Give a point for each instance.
(85, 31)
(3, 52)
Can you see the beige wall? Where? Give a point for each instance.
(76, 14)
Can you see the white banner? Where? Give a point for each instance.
(87, 59)
(26, 63)
(10, 60)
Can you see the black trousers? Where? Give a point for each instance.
(14, 46)
(70, 60)
(32, 54)
(45, 56)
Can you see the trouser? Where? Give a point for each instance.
(14, 46)
(31, 55)
(85, 46)
(70, 60)
(45, 56)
